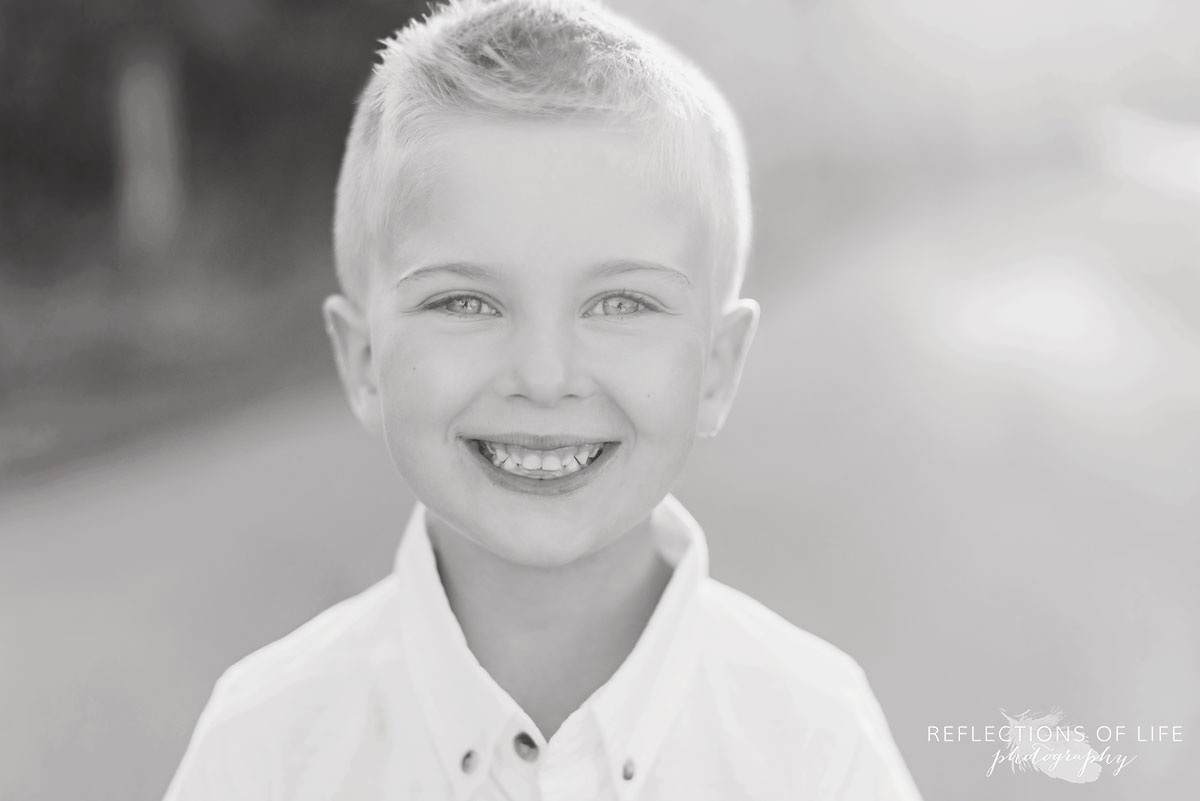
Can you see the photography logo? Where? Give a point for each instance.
(1045, 744)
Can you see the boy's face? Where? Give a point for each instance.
(543, 349)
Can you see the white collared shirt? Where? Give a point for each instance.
(380, 697)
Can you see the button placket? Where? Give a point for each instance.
(517, 761)
(526, 747)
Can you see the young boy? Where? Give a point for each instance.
(541, 230)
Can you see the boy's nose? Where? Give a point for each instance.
(544, 366)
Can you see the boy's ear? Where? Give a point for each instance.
(351, 338)
(731, 342)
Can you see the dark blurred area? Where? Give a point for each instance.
(966, 448)
(165, 203)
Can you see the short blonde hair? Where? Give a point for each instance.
(533, 59)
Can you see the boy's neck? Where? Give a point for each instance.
(550, 638)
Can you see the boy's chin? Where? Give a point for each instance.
(539, 529)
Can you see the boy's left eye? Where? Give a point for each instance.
(466, 305)
(621, 305)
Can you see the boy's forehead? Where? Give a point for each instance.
(516, 192)
(564, 171)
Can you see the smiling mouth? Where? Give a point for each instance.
(556, 463)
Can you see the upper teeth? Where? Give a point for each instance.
(559, 460)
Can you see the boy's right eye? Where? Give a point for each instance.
(464, 306)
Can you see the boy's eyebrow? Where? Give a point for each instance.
(605, 269)
(622, 266)
(460, 268)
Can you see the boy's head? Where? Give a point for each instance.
(541, 231)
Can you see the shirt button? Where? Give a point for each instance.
(468, 761)
(526, 748)
(627, 771)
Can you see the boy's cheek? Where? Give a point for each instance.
(413, 353)
(662, 386)
(653, 376)
(420, 385)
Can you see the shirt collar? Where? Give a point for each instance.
(637, 705)
(464, 708)
(466, 711)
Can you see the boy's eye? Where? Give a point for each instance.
(621, 305)
(465, 305)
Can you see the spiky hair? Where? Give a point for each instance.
(534, 59)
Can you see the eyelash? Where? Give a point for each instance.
(637, 297)
(441, 303)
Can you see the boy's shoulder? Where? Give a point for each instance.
(313, 662)
(800, 699)
(750, 641)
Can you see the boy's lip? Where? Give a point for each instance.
(536, 486)
(542, 442)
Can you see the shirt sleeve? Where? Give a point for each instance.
(877, 772)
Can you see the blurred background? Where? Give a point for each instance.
(966, 449)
